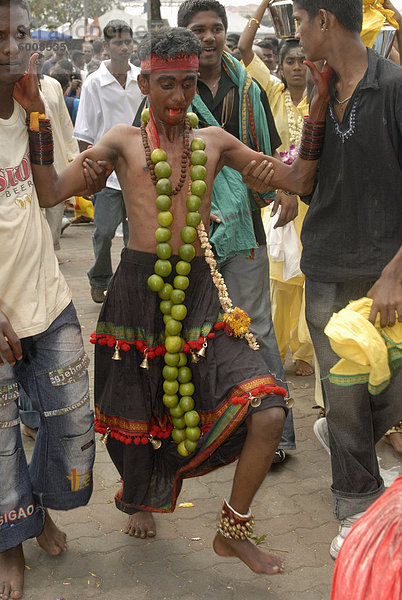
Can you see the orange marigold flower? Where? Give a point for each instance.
(238, 321)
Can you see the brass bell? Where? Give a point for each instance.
(156, 444)
(289, 402)
(202, 351)
(194, 357)
(116, 353)
(255, 401)
(145, 362)
(105, 436)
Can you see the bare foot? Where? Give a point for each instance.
(395, 440)
(303, 368)
(141, 524)
(29, 431)
(257, 560)
(12, 573)
(52, 539)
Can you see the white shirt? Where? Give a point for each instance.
(32, 290)
(105, 103)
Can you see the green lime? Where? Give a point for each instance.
(163, 186)
(182, 359)
(190, 446)
(162, 234)
(188, 234)
(183, 268)
(193, 219)
(177, 411)
(198, 157)
(193, 433)
(173, 344)
(158, 154)
(165, 292)
(192, 418)
(165, 219)
(186, 389)
(165, 307)
(170, 387)
(173, 327)
(193, 119)
(187, 403)
(172, 359)
(184, 375)
(145, 115)
(198, 187)
(187, 252)
(170, 400)
(155, 283)
(197, 172)
(163, 170)
(178, 422)
(170, 373)
(163, 202)
(179, 312)
(178, 296)
(180, 282)
(178, 435)
(166, 319)
(193, 202)
(197, 144)
(162, 267)
(181, 449)
(164, 250)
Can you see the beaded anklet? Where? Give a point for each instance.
(40, 139)
(233, 525)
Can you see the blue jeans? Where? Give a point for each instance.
(109, 212)
(53, 373)
(247, 281)
(356, 419)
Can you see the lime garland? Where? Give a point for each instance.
(177, 377)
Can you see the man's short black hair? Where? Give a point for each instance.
(190, 8)
(266, 44)
(66, 65)
(75, 54)
(97, 46)
(116, 26)
(62, 76)
(349, 13)
(233, 37)
(169, 42)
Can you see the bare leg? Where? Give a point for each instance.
(141, 524)
(12, 573)
(52, 539)
(303, 368)
(395, 440)
(263, 436)
(29, 431)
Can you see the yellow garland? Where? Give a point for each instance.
(377, 5)
(295, 120)
(232, 315)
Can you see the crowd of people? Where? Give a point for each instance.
(258, 195)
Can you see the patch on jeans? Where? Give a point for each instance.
(71, 373)
(9, 424)
(87, 445)
(67, 409)
(13, 515)
(8, 393)
(79, 481)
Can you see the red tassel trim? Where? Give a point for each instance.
(261, 390)
(135, 438)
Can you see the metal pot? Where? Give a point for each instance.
(282, 18)
(384, 40)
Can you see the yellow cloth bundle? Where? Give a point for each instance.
(374, 17)
(83, 208)
(368, 353)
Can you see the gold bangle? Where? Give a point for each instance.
(253, 20)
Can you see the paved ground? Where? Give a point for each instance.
(293, 509)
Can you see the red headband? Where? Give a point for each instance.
(176, 63)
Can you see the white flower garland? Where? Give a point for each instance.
(295, 120)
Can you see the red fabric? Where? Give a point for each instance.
(369, 563)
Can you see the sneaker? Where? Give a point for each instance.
(98, 294)
(344, 529)
(279, 456)
(65, 223)
(320, 429)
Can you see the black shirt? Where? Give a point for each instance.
(353, 226)
(215, 106)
